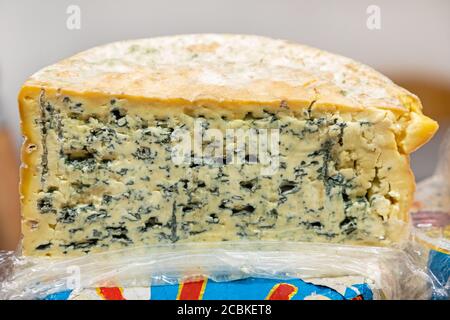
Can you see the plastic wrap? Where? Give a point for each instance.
(410, 272)
(391, 272)
(431, 220)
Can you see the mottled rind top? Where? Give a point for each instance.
(236, 69)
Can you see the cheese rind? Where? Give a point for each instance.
(97, 170)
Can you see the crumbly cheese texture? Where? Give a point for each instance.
(98, 172)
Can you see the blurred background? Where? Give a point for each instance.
(408, 40)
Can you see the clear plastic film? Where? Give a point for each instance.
(431, 220)
(390, 272)
(410, 272)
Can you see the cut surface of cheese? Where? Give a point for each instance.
(98, 165)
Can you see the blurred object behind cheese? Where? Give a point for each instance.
(9, 197)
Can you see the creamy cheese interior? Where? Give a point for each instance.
(107, 179)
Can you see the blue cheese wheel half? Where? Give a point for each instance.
(209, 138)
